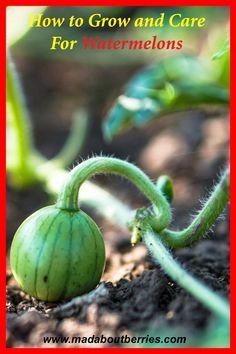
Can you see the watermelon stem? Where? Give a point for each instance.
(68, 197)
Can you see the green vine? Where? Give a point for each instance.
(68, 197)
(200, 291)
(157, 241)
(67, 211)
(206, 217)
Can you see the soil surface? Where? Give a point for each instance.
(139, 298)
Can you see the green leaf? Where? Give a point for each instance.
(175, 83)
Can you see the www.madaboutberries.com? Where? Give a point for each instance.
(116, 341)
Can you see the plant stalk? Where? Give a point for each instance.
(68, 197)
(100, 200)
(19, 120)
(205, 219)
(201, 292)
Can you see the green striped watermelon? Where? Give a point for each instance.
(57, 254)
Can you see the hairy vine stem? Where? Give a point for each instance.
(155, 241)
(207, 297)
(68, 197)
(204, 220)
